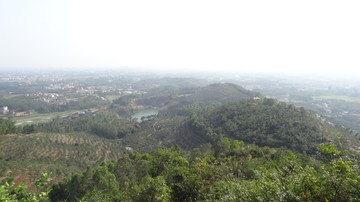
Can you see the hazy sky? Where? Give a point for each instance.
(308, 35)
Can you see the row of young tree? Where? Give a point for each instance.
(224, 171)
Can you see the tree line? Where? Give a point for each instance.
(104, 124)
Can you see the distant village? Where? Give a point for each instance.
(57, 90)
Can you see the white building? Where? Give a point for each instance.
(5, 110)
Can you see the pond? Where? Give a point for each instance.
(146, 112)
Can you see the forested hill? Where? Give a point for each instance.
(263, 122)
(213, 94)
(222, 93)
(266, 122)
(210, 113)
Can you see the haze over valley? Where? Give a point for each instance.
(179, 101)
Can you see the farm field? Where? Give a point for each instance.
(62, 154)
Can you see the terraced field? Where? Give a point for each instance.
(63, 154)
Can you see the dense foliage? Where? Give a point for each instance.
(105, 124)
(7, 126)
(225, 171)
(11, 192)
(265, 122)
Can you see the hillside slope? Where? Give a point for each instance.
(265, 122)
(224, 171)
(28, 156)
